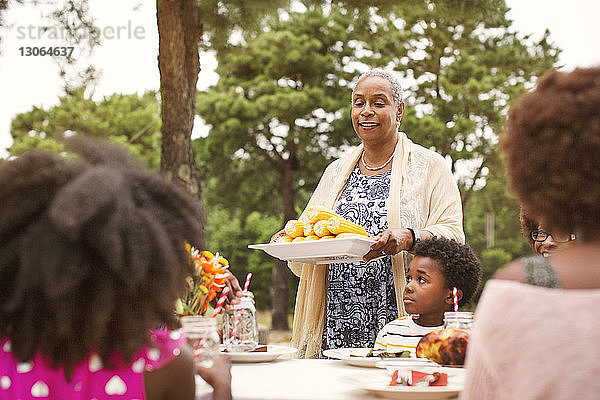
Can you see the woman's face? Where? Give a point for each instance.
(374, 114)
(549, 245)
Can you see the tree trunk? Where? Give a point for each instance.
(279, 289)
(179, 32)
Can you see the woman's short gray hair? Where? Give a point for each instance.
(396, 88)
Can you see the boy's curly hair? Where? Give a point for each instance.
(92, 252)
(552, 144)
(460, 266)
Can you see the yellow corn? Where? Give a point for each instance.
(327, 237)
(294, 228)
(320, 228)
(299, 239)
(337, 226)
(348, 235)
(284, 239)
(320, 213)
(308, 229)
(312, 237)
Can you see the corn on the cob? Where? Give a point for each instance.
(320, 228)
(284, 239)
(299, 239)
(308, 229)
(312, 237)
(294, 228)
(327, 237)
(337, 226)
(315, 214)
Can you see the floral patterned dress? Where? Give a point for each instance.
(360, 295)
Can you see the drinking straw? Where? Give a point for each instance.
(455, 298)
(221, 300)
(247, 281)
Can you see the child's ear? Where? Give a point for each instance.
(450, 298)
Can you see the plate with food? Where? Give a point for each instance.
(323, 251)
(368, 357)
(265, 353)
(427, 388)
(325, 237)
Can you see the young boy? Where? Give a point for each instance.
(438, 266)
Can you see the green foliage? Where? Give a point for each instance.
(131, 120)
(272, 109)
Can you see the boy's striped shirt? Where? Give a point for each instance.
(402, 334)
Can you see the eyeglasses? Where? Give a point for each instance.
(540, 236)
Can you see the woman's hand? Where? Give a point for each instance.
(219, 377)
(390, 242)
(276, 236)
(235, 291)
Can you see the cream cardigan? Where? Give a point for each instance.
(423, 195)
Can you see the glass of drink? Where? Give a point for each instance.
(203, 338)
(240, 328)
(458, 319)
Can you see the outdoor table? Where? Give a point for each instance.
(294, 379)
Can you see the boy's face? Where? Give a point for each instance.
(426, 292)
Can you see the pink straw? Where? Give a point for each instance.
(247, 281)
(455, 297)
(221, 300)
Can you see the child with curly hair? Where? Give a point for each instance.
(92, 259)
(439, 265)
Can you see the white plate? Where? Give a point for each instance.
(319, 251)
(379, 384)
(273, 352)
(357, 356)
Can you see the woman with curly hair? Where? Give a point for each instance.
(92, 259)
(534, 342)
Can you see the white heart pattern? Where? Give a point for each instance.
(138, 366)
(24, 367)
(154, 354)
(95, 363)
(78, 386)
(115, 386)
(175, 335)
(5, 382)
(6, 346)
(40, 389)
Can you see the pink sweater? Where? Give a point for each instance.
(37, 379)
(534, 343)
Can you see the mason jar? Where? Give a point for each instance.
(203, 337)
(240, 328)
(458, 319)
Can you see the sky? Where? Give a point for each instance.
(128, 63)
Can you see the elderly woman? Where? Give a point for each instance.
(401, 193)
(534, 342)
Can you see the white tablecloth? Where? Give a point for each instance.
(295, 379)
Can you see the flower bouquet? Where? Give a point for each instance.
(207, 280)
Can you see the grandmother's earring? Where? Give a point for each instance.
(399, 122)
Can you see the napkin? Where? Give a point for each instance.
(418, 376)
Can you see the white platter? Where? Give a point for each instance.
(273, 352)
(319, 251)
(379, 384)
(357, 356)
